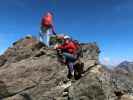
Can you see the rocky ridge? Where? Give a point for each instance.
(30, 71)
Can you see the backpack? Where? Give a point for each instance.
(47, 21)
(79, 48)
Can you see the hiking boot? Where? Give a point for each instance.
(69, 76)
(73, 79)
(72, 73)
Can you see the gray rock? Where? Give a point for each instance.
(31, 71)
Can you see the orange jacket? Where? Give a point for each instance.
(69, 47)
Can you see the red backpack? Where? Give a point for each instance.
(79, 48)
(47, 21)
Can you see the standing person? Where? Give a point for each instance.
(47, 28)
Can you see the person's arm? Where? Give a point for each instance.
(41, 25)
(53, 29)
(60, 47)
(41, 29)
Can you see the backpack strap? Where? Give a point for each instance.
(79, 48)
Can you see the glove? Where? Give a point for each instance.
(56, 46)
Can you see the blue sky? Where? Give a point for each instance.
(108, 22)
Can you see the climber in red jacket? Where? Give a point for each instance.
(69, 53)
(47, 27)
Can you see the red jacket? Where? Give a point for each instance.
(70, 47)
(47, 21)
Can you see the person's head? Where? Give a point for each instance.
(67, 39)
(49, 13)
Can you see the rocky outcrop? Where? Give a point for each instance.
(21, 49)
(90, 55)
(31, 71)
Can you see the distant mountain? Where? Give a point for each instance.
(125, 65)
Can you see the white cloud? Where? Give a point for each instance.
(106, 61)
(114, 62)
(110, 62)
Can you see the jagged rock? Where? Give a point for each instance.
(90, 55)
(31, 71)
(16, 97)
(2, 60)
(121, 83)
(91, 51)
(3, 90)
(21, 49)
(93, 86)
(127, 97)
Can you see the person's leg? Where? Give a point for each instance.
(69, 75)
(71, 68)
(40, 34)
(48, 37)
(53, 30)
(49, 34)
(41, 37)
(70, 59)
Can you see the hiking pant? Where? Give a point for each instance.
(70, 59)
(45, 33)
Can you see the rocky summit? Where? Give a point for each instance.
(31, 71)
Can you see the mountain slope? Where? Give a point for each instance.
(125, 65)
(31, 71)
